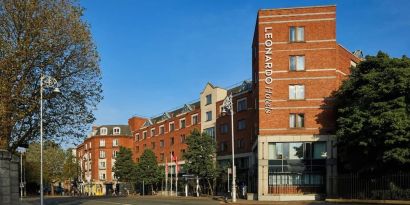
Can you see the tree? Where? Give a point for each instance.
(124, 167)
(200, 157)
(45, 37)
(55, 159)
(373, 116)
(71, 166)
(148, 169)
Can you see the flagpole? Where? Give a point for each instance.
(166, 176)
(176, 176)
(171, 174)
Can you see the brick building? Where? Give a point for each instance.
(296, 66)
(284, 123)
(96, 156)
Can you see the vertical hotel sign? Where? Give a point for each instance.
(268, 70)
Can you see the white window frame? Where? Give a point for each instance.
(162, 127)
(144, 135)
(102, 143)
(102, 154)
(192, 119)
(102, 165)
(299, 61)
(137, 137)
(299, 35)
(114, 154)
(152, 132)
(103, 131)
(169, 126)
(239, 101)
(296, 120)
(180, 123)
(296, 92)
(115, 143)
(116, 131)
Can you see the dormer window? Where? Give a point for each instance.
(103, 131)
(116, 131)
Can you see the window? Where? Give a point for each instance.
(161, 130)
(102, 165)
(319, 150)
(102, 143)
(161, 144)
(152, 132)
(194, 119)
(161, 156)
(102, 154)
(114, 153)
(296, 92)
(172, 140)
(137, 137)
(183, 138)
(224, 147)
(296, 150)
(182, 123)
(241, 124)
(171, 126)
(209, 116)
(296, 63)
(296, 34)
(296, 120)
(240, 144)
(224, 128)
(86, 146)
(115, 142)
(241, 105)
(145, 146)
(144, 135)
(210, 131)
(208, 99)
(153, 145)
(116, 131)
(102, 176)
(103, 131)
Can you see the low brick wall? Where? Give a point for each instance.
(9, 175)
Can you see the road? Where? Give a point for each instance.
(152, 200)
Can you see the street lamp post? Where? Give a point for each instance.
(45, 82)
(228, 105)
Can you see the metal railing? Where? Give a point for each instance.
(386, 187)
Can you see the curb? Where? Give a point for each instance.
(367, 201)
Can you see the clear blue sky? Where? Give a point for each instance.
(157, 55)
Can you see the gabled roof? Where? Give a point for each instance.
(246, 85)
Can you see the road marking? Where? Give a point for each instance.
(111, 202)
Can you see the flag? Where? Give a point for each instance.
(176, 165)
(166, 166)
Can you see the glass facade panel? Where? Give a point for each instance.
(319, 150)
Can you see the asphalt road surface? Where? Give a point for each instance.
(153, 200)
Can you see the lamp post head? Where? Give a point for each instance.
(56, 90)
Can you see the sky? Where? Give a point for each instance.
(159, 55)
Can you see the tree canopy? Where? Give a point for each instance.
(148, 169)
(59, 164)
(200, 156)
(45, 37)
(373, 115)
(124, 167)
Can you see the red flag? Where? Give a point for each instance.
(166, 166)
